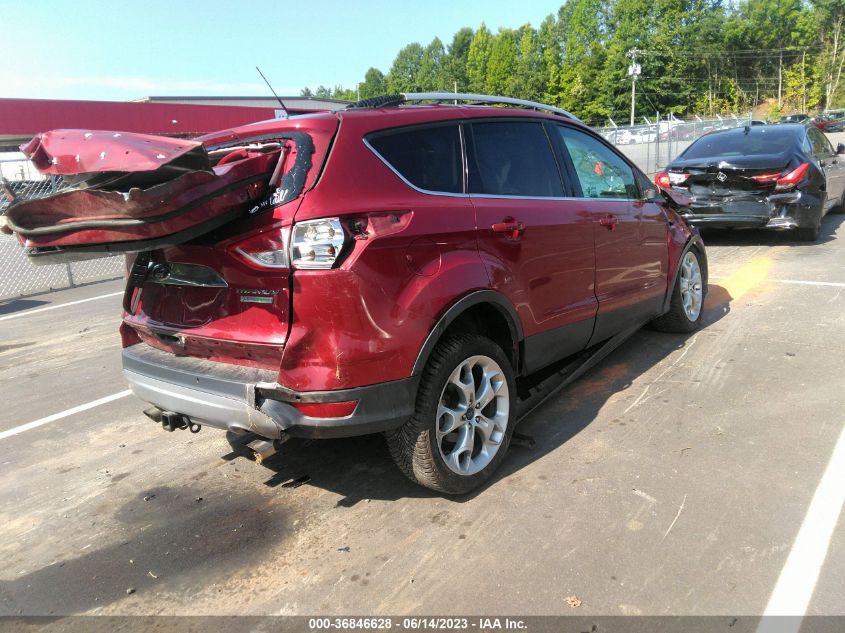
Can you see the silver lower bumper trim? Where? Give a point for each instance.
(201, 406)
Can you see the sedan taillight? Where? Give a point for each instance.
(666, 180)
(793, 178)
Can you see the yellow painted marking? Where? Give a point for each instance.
(748, 277)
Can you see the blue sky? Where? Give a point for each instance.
(122, 50)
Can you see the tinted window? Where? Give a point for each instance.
(513, 158)
(821, 146)
(601, 173)
(759, 140)
(428, 158)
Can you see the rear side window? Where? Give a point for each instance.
(601, 173)
(429, 158)
(513, 158)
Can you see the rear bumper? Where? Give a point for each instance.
(778, 211)
(243, 399)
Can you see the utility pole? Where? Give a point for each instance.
(634, 71)
(803, 81)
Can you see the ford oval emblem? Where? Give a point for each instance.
(721, 177)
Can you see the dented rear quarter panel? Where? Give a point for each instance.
(365, 321)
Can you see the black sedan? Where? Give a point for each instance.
(777, 176)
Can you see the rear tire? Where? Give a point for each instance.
(840, 207)
(686, 308)
(464, 417)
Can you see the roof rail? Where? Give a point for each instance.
(440, 97)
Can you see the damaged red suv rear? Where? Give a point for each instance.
(429, 271)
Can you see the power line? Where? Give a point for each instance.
(742, 51)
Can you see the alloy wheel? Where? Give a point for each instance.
(472, 415)
(692, 289)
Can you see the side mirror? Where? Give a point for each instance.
(840, 149)
(651, 194)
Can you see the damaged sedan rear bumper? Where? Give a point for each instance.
(788, 210)
(248, 400)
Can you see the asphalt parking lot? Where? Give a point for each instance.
(675, 478)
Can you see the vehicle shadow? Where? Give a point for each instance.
(763, 237)
(361, 469)
(17, 305)
(176, 541)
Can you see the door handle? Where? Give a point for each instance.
(509, 227)
(609, 221)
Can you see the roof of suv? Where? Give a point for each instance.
(400, 114)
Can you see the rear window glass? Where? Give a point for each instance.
(513, 158)
(428, 158)
(759, 140)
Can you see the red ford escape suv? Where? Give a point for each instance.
(429, 271)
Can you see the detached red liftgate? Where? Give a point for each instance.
(124, 192)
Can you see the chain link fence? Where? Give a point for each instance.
(19, 277)
(653, 145)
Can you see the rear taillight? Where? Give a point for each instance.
(766, 178)
(312, 244)
(793, 178)
(677, 178)
(265, 250)
(316, 243)
(661, 179)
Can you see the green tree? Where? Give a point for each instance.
(529, 81)
(829, 20)
(501, 67)
(478, 56)
(549, 39)
(403, 74)
(582, 85)
(430, 75)
(455, 64)
(701, 56)
(374, 84)
(779, 42)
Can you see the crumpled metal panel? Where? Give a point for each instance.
(66, 152)
(86, 216)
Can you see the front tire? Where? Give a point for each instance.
(686, 308)
(464, 418)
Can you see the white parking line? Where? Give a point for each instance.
(799, 575)
(58, 416)
(60, 305)
(799, 282)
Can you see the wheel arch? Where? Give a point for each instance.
(484, 312)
